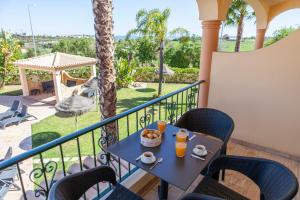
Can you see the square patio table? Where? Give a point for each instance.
(180, 172)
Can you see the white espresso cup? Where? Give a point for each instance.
(148, 157)
(200, 149)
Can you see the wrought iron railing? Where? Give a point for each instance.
(87, 147)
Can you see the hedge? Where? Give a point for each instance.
(83, 72)
(143, 74)
(182, 75)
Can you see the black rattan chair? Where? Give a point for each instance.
(274, 180)
(208, 121)
(74, 186)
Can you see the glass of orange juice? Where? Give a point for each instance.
(180, 148)
(181, 135)
(161, 125)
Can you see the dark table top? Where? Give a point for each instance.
(180, 172)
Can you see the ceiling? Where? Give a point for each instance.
(273, 2)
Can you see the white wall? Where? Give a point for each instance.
(261, 91)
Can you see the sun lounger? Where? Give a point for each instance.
(12, 111)
(16, 119)
(7, 180)
(7, 176)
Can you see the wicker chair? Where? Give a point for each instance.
(208, 121)
(274, 180)
(74, 186)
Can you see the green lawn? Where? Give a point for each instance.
(246, 45)
(54, 127)
(11, 90)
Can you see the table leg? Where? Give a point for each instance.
(163, 190)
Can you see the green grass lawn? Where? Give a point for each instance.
(246, 45)
(11, 90)
(54, 127)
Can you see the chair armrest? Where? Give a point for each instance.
(74, 186)
(237, 163)
(196, 196)
(267, 174)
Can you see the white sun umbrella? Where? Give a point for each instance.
(166, 71)
(74, 106)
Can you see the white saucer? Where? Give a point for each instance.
(150, 161)
(200, 153)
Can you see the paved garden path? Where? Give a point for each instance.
(19, 137)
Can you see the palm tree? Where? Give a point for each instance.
(153, 23)
(238, 12)
(105, 60)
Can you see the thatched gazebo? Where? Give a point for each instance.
(55, 63)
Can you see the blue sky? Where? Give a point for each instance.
(69, 17)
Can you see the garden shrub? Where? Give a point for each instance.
(125, 72)
(14, 78)
(142, 74)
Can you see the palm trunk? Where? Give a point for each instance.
(2, 82)
(130, 57)
(161, 66)
(105, 61)
(239, 34)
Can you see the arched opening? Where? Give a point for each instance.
(238, 30)
(282, 25)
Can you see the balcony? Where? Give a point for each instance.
(36, 172)
(258, 89)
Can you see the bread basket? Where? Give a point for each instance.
(150, 138)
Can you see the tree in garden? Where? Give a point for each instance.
(103, 24)
(280, 34)
(79, 46)
(30, 53)
(183, 55)
(125, 49)
(153, 23)
(10, 51)
(180, 34)
(145, 50)
(238, 12)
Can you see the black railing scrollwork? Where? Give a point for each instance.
(37, 173)
(86, 148)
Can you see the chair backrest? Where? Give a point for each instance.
(274, 179)
(208, 121)
(71, 83)
(47, 84)
(72, 187)
(23, 111)
(15, 105)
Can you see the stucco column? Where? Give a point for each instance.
(260, 38)
(209, 44)
(94, 72)
(24, 82)
(57, 85)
